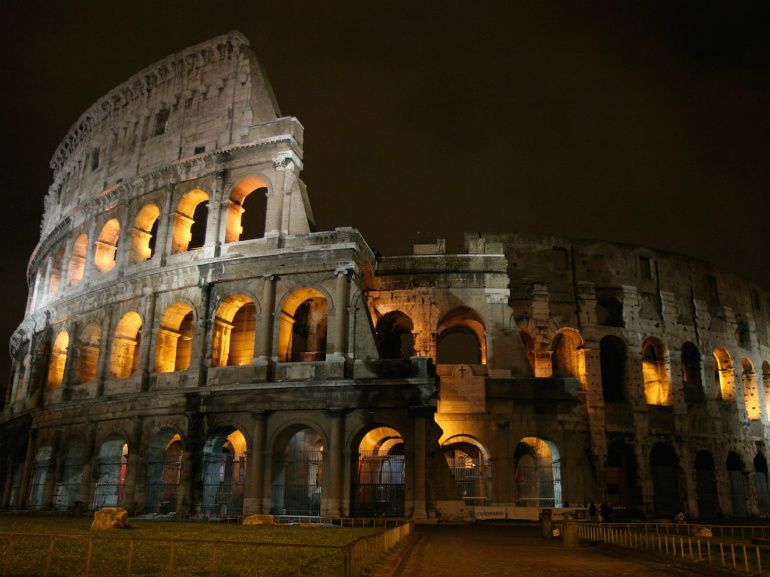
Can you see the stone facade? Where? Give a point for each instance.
(193, 345)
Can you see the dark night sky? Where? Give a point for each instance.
(640, 122)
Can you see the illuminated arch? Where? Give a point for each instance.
(537, 473)
(125, 346)
(55, 276)
(107, 246)
(164, 469)
(394, 333)
(297, 472)
(111, 472)
(471, 466)
(192, 211)
(175, 336)
(57, 361)
(255, 190)
(304, 319)
(724, 374)
(78, 260)
(567, 359)
(144, 234)
(224, 472)
(657, 388)
(461, 338)
(234, 330)
(381, 472)
(87, 352)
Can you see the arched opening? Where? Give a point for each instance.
(164, 469)
(691, 373)
(57, 361)
(247, 210)
(125, 346)
(190, 222)
(461, 338)
(471, 468)
(57, 264)
(111, 472)
(706, 485)
(766, 382)
(612, 353)
(621, 477)
(724, 374)
(107, 246)
(657, 389)
(538, 473)
(394, 333)
(378, 488)
(234, 328)
(87, 353)
(736, 476)
(750, 390)
(529, 347)
(567, 357)
(145, 233)
(760, 483)
(609, 311)
(224, 473)
(78, 259)
(175, 336)
(304, 319)
(665, 480)
(68, 488)
(39, 477)
(297, 472)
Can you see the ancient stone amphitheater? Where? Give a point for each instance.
(193, 345)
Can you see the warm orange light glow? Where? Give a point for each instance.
(141, 235)
(462, 320)
(125, 346)
(302, 335)
(725, 374)
(657, 387)
(107, 246)
(174, 339)
(56, 271)
(78, 260)
(57, 361)
(88, 353)
(183, 220)
(750, 390)
(234, 331)
(235, 206)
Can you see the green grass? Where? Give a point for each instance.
(150, 558)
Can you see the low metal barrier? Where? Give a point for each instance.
(753, 559)
(350, 560)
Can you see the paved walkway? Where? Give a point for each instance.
(502, 550)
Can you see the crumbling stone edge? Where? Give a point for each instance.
(396, 558)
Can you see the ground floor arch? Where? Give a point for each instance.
(471, 467)
(664, 465)
(380, 472)
(736, 477)
(224, 473)
(68, 488)
(164, 468)
(537, 473)
(621, 477)
(111, 471)
(297, 472)
(760, 484)
(40, 475)
(706, 485)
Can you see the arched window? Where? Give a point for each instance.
(609, 311)
(461, 338)
(107, 246)
(190, 222)
(78, 259)
(394, 333)
(612, 352)
(247, 210)
(145, 233)
(724, 374)
(304, 319)
(57, 264)
(87, 352)
(529, 348)
(691, 373)
(750, 390)
(234, 330)
(657, 389)
(174, 339)
(58, 360)
(125, 346)
(567, 357)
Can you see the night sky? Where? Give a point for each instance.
(639, 122)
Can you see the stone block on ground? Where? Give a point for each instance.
(252, 521)
(699, 531)
(110, 518)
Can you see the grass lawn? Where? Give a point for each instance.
(110, 557)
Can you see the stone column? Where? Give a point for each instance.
(253, 498)
(418, 477)
(145, 347)
(26, 474)
(202, 341)
(332, 490)
(89, 471)
(132, 472)
(341, 290)
(275, 198)
(53, 471)
(69, 364)
(103, 364)
(188, 492)
(267, 326)
(165, 218)
(34, 339)
(123, 255)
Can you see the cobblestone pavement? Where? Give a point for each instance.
(501, 550)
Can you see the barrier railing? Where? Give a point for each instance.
(721, 531)
(120, 555)
(753, 559)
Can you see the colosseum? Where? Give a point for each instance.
(193, 345)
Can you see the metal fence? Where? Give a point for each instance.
(676, 540)
(208, 557)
